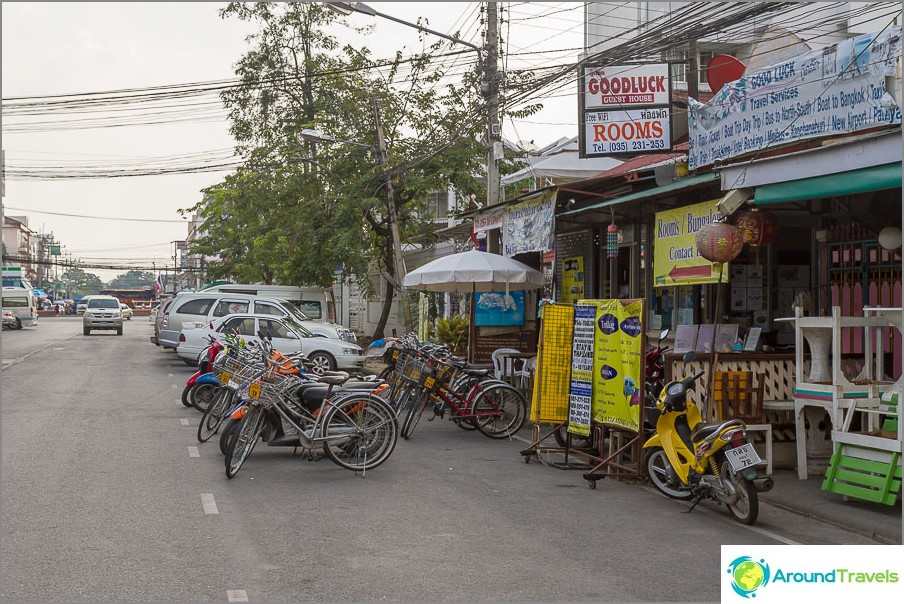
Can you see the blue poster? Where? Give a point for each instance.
(499, 308)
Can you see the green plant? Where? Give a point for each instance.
(453, 332)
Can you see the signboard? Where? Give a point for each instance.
(617, 86)
(627, 131)
(527, 226)
(54, 250)
(485, 345)
(487, 222)
(572, 279)
(580, 401)
(826, 92)
(499, 308)
(618, 380)
(676, 260)
(624, 109)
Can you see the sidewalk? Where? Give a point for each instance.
(807, 498)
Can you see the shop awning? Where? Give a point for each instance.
(865, 180)
(678, 185)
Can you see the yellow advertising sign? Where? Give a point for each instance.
(676, 260)
(572, 279)
(618, 362)
(549, 403)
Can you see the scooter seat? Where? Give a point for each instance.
(701, 431)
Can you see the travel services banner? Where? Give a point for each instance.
(829, 91)
(617, 362)
(580, 402)
(527, 226)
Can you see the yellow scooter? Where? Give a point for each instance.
(689, 459)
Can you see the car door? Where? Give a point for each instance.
(285, 340)
(244, 327)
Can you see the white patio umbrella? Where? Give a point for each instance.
(471, 272)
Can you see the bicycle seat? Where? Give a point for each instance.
(479, 373)
(334, 378)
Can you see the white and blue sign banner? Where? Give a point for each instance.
(580, 400)
(527, 226)
(812, 573)
(834, 90)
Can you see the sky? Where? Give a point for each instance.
(74, 47)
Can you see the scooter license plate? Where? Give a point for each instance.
(742, 457)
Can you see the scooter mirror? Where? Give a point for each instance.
(689, 356)
(664, 334)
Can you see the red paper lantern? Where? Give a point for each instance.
(720, 242)
(758, 227)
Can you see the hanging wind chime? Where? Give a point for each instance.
(612, 241)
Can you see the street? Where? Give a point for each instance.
(108, 496)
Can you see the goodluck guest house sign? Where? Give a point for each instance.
(625, 109)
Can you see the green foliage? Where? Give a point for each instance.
(453, 332)
(133, 280)
(80, 283)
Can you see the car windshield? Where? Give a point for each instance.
(101, 303)
(300, 329)
(293, 311)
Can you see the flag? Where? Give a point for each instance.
(159, 283)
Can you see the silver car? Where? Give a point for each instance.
(102, 312)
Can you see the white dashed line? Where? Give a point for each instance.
(210, 506)
(174, 386)
(236, 595)
(184, 422)
(171, 374)
(193, 452)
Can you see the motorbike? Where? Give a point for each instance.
(654, 362)
(201, 386)
(688, 459)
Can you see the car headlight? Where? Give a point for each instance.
(349, 351)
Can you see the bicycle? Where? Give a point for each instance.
(357, 430)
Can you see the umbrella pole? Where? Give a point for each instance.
(472, 334)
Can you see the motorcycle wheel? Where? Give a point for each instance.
(185, 400)
(746, 507)
(658, 468)
(203, 396)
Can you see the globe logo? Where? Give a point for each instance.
(748, 575)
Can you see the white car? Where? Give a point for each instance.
(289, 336)
(126, 311)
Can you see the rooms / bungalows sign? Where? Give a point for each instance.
(625, 109)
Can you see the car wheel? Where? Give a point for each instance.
(119, 331)
(322, 361)
(86, 331)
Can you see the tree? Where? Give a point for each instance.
(80, 283)
(133, 280)
(297, 209)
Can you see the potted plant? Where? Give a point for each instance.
(453, 332)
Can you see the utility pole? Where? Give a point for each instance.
(490, 88)
(399, 261)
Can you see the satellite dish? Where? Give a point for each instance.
(721, 70)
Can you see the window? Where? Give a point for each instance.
(275, 329)
(263, 308)
(243, 326)
(311, 309)
(196, 307)
(438, 204)
(229, 307)
(17, 302)
(103, 303)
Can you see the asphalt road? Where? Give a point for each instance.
(108, 496)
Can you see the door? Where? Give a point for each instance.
(285, 340)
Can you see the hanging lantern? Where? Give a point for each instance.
(612, 241)
(720, 242)
(758, 227)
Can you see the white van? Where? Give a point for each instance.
(315, 302)
(22, 303)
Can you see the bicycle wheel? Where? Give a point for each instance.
(502, 408)
(213, 417)
(227, 434)
(415, 410)
(406, 397)
(247, 433)
(202, 396)
(360, 432)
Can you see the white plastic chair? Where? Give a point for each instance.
(526, 373)
(499, 368)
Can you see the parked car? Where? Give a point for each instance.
(10, 321)
(289, 336)
(126, 311)
(102, 312)
(82, 303)
(203, 307)
(158, 315)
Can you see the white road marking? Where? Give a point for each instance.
(174, 386)
(193, 452)
(171, 374)
(210, 506)
(236, 595)
(184, 422)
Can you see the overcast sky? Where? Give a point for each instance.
(58, 48)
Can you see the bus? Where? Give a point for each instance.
(137, 296)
